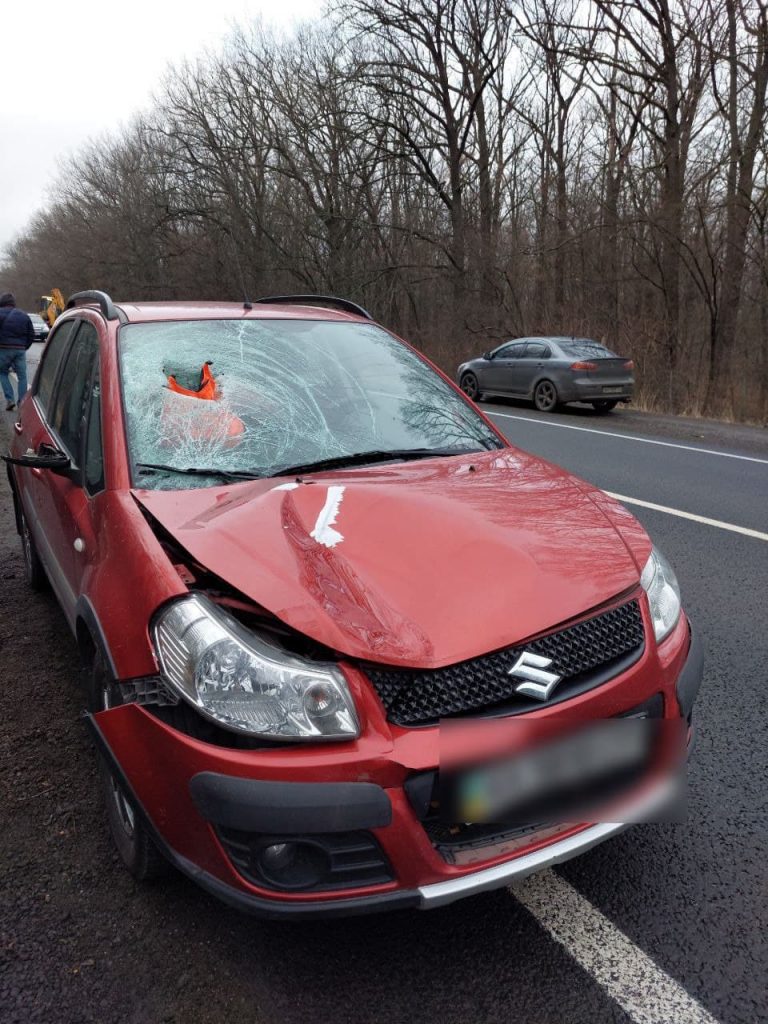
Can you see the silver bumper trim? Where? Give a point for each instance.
(440, 893)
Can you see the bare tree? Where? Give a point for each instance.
(469, 170)
(743, 108)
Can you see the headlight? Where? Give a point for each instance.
(241, 681)
(660, 584)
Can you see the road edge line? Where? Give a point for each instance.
(744, 530)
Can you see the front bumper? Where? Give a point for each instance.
(186, 794)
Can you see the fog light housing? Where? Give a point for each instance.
(293, 865)
(318, 862)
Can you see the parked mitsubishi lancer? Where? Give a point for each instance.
(311, 585)
(551, 372)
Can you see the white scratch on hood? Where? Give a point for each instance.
(323, 532)
(286, 487)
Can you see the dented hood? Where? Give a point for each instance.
(417, 564)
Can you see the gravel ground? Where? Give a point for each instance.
(65, 913)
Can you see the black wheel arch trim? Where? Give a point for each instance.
(291, 808)
(245, 902)
(87, 614)
(689, 680)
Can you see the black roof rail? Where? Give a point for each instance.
(102, 300)
(317, 300)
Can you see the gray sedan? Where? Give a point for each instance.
(551, 371)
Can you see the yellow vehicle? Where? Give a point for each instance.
(51, 306)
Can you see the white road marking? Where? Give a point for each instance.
(627, 974)
(626, 437)
(689, 515)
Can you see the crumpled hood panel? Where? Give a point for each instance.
(417, 564)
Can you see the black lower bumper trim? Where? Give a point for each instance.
(401, 899)
(690, 678)
(291, 808)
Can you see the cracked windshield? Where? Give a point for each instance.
(208, 399)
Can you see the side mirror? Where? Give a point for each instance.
(487, 355)
(47, 458)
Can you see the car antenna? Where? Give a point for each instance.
(247, 304)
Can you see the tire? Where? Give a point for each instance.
(604, 405)
(470, 386)
(545, 396)
(33, 567)
(132, 841)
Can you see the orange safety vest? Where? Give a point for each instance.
(207, 390)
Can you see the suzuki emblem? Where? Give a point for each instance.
(538, 682)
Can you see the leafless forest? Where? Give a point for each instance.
(469, 170)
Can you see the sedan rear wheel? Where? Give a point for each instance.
(470, 386)
(545, 396)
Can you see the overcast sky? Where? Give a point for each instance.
(70, 70)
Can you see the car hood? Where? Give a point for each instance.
(415, 564)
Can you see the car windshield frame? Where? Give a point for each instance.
(472, 432)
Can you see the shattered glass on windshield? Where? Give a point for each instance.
(256, 395)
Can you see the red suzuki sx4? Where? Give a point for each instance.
(346, 648)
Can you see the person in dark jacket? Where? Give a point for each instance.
(16, 335)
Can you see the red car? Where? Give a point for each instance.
(328, 611)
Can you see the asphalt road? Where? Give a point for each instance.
(666, 924)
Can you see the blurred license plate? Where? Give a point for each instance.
(612, 391)
(495, 791)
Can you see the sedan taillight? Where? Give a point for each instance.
(581, 365)
(629, 365)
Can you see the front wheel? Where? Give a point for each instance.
(33, 567)
(604, 405)
(133, 842)
(545, 396)
(470, 386)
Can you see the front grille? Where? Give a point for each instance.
(585, 655)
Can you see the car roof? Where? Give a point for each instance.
(578, 341)
(557, 339)
(141, 312)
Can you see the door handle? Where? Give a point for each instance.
(37, 472)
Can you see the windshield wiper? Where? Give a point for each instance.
(367, 458)
(225, 474)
